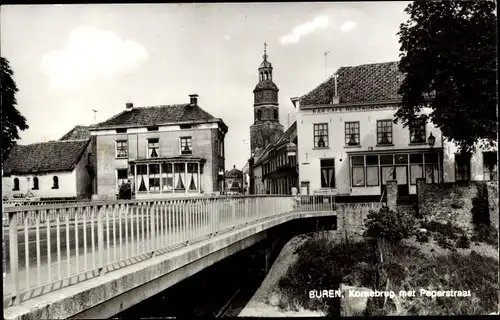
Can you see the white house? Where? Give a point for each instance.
(48, 170)
(348, 140)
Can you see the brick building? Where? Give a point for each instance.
(272, 167)
(266, 128)
(163, 151)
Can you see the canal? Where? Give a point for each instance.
(221, 290)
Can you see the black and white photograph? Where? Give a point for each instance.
(253, 159)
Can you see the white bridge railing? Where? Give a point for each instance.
(48, 247)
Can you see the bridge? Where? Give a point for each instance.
(96, 259)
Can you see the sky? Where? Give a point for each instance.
(69, 60)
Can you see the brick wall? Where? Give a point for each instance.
(493, 202)
(351, 216)
(450, 202)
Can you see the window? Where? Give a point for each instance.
(384, 132)
(167, 176)
(258, 114)
(416, 167)
(186, 145)
(462, 167)
(153, 147)
(121, 148)
(358, 171)
(192, 176)
(35, 183)
(275, 114)
(121, 177)
(154, 128)
(352, 133)
(16, 184)
(372, 171)
(179, 176)
(327, 173)
(142, 173)
(154, 177)
(417, 130)
(431, 168)
(121, 130)
(55, 181)
(321, 135)
(490, 166)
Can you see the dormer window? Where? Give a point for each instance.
(186, 147)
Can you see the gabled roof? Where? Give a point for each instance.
(41, 157)
(288, 136)
(359, 84)
(77, 133)
(157, 115)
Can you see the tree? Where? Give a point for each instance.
(448, 54)
(12, 119)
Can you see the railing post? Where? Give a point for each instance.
(233, 207)
(13, 255)
(100, 238)
(246, 210)
(152, 211)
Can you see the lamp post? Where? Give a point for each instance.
(431, 140)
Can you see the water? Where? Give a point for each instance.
(204, 294)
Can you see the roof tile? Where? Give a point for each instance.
(359, 84)
(45, 156)
(156, 115)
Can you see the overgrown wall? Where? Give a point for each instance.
(453, 202)
(351, 216)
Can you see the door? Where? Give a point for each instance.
(398, 173)
(386, 173)
(402, 179)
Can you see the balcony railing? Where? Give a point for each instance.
(47, 247)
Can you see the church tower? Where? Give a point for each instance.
(266, 128)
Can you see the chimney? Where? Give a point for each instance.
(129, 105)
(335, 97)
(193, 99)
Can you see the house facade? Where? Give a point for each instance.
(234, 181)
(279, 164)
(48, 170)
(349, 142)
(162, 151)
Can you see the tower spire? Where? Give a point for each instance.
(265, 51)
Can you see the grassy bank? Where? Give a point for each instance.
(323, 263)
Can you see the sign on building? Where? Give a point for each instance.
(327, 191)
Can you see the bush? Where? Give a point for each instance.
(444, 242)
(463, 242)
(422, 237)
(487, 234)
(125, 192)
(448, 230)
(389, 225)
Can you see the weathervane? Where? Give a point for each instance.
(265, 51)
